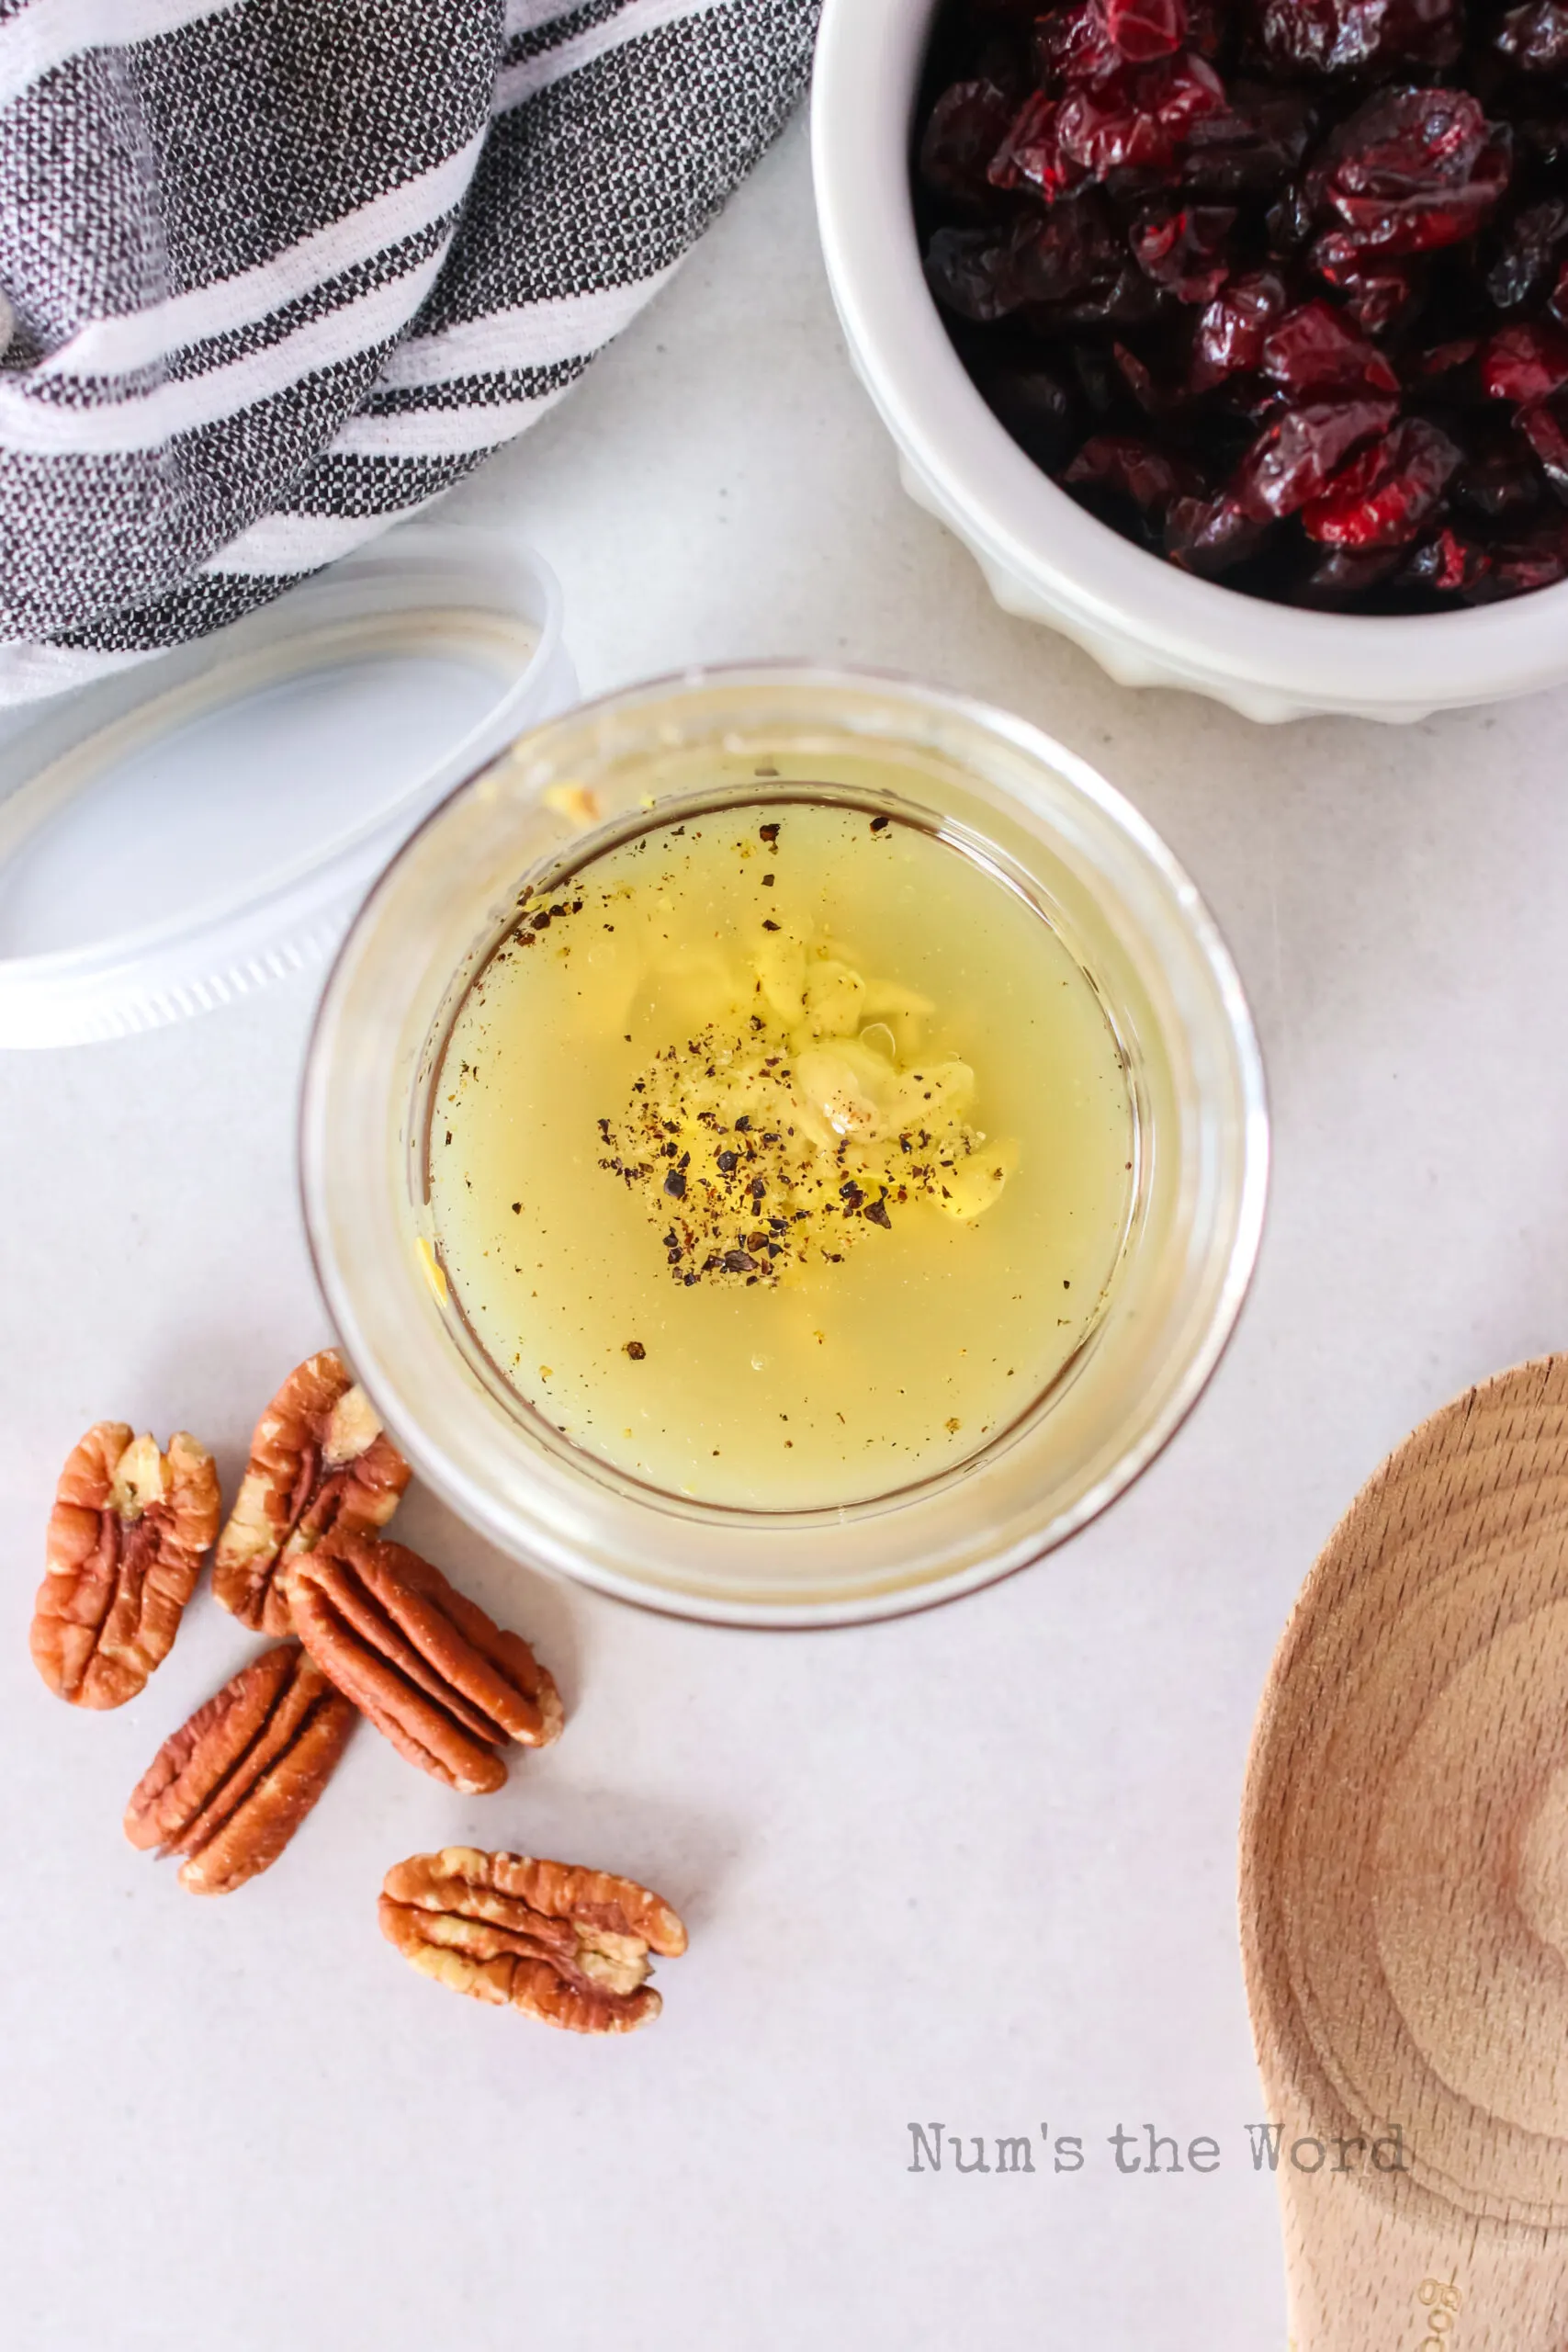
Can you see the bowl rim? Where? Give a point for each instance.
(868, 59)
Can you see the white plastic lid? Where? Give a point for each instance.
(197, 825)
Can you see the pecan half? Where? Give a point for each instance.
(320, 1461)
(432, 1671)
(231, 1787)
(568, 1945)
(126, 1537)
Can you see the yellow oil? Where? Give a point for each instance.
(877, 1031)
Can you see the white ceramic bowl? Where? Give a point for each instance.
(1146, 622)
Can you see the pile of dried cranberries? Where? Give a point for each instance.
(1277, 287)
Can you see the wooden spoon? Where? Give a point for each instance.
(1404, 1895)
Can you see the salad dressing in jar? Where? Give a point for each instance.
(782, 1157)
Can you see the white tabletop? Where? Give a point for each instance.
(974, 1868)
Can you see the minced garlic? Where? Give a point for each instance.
(799, 1114)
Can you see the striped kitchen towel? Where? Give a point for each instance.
(277, 272)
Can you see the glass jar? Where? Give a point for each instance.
(1119, 901)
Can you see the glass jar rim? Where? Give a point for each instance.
(586, 1527)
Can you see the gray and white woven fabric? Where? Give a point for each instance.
(280, 271)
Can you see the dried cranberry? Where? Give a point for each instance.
(1145, 29)
(1208, 26)
(1210, 535)
(1442, 359)
(1187, 93)
(1540, 128)
(1129, 300)
(1057, 258)
(1525, 363)
(1535, 38)
(1151, 397)
(1030, 156)
(1128, 467)
(1035, 407)
(1499, 484)
(1525, 258)
(1252, 147)
(1447, 565)
(967, 126)
(1184, 247)
(1294, 457)
(1140, 121)
(1074, 44)
(963, 270)
(1097, 379)
(1230, 335)
(1542, 427)
(1347, 35)
(1517, 566)
(1290, 222)
(1386, 496)
(1423, 32)
(1320, 36)
(1315, 348)
(1412, 170)
(1378, 294)
(1344, 573)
